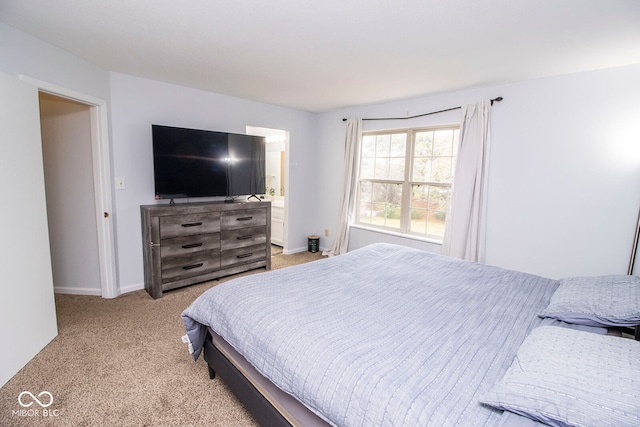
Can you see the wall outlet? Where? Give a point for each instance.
(121, 183)
(326, 232)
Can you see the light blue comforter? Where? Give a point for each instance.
(381, 336)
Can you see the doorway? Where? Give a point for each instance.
(100, 161)
(277, 179)
(65, 126)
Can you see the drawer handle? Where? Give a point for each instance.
(244, 218)
(192, 245)
(190, 267)
(244, 255)
(247, 237)
(192, 224)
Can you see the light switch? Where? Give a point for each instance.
(121, 183)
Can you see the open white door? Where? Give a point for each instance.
(27, 306)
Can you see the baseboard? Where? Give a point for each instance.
(301, 249)
(139, 286)
(294, 251)
(77, 291)
(68, 290)
(131, 288)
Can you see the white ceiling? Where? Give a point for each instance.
(320, 55)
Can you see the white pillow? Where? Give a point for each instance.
(564, 377)
(597, 301)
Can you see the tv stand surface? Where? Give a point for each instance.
(190, 243)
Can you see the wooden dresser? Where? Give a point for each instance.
(190, 243)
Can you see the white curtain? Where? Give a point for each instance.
(350, 177)
(464, 235)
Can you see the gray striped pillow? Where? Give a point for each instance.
(597, 301)
(564, 377)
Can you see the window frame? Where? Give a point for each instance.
(406, 183)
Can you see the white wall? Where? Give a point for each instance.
(565, 178)
(68, 171)
(21, 53)
(138, 103)
(564, 182)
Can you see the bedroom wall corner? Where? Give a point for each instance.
(564, 169)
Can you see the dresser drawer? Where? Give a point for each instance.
(178, 246)
(182, 267)
(242, 237)
(243, 219)
(183, 244)
(243, 255)
(188, 225)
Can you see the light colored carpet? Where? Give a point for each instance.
(121, 362)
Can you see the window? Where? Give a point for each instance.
(405, 180)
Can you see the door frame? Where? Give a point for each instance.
(101, 157)
(264, 131)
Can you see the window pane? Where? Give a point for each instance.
(423, 144)
(398, 145)
(429, 206)
(419, 205)
(439, 198)
(442, 170)
(421, 169)
(368, 146)
(365, 198)
(435, 225)
(383, 157)
(387, 193)
(456, 138)
(386, 204)
(365, 213)
(443, 143)
(418, 221)
(366, 168)
(382, 168)
(438, 205)
(396, 169)
(383, 144)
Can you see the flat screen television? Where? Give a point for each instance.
(203, 163)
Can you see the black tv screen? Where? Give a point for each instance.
(203, 163)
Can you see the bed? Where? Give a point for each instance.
(389, 335)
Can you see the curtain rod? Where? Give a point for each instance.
(498, 99)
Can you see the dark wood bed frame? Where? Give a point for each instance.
(265, 413)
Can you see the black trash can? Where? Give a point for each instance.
(314, 243)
